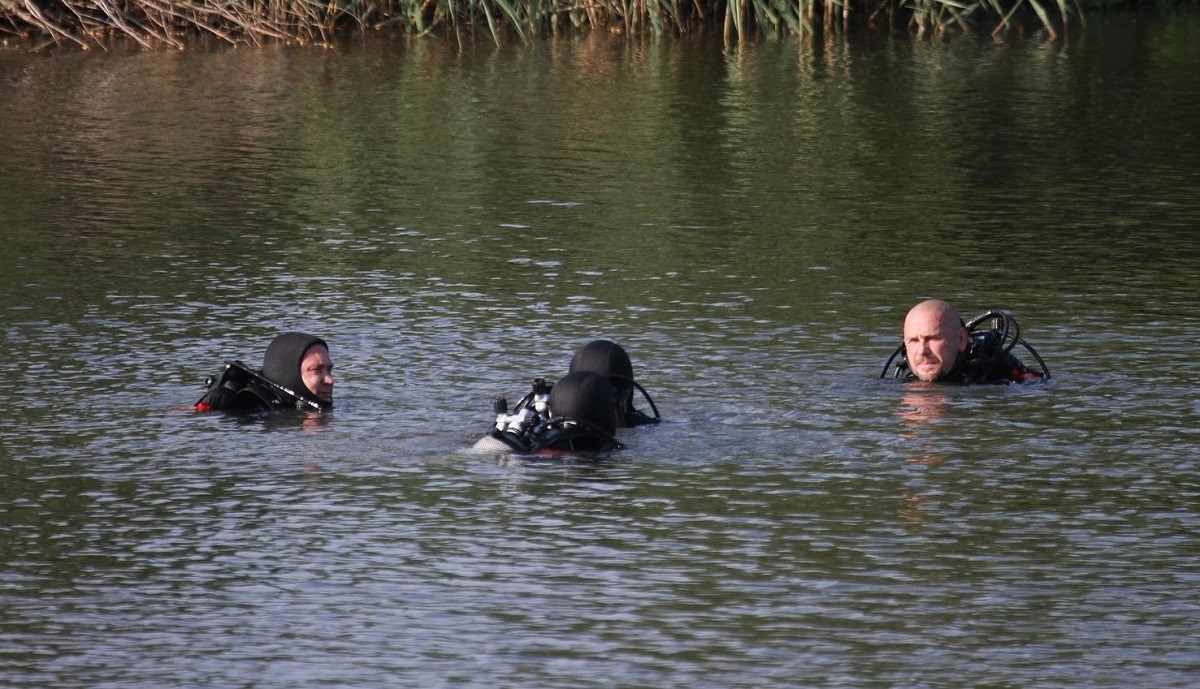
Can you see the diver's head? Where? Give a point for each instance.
(603, 357)
(585, 398)
(301, 363)
(610, 360)
(934, 338)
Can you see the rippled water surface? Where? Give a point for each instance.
(751, 224)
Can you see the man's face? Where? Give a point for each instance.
(316, 370)
(932, 343)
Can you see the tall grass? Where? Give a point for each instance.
(171, 23)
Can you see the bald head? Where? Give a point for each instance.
(933, 338)
(933, 310)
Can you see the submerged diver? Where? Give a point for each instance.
(608, 359)
(576, 414)
(297, 373)
(939, 347)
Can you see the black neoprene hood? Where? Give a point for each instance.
(605, 358)
(281, 363)
(584, 396)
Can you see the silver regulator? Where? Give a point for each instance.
(530, 414)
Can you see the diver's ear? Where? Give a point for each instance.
(963, 338)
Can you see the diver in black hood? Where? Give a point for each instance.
(297, 373)
(609, 359)
(576, 414)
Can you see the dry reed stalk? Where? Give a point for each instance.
(156, 23)
(29, 11)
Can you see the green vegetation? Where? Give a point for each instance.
(171, 23)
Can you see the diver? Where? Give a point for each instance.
(610, 360)
(576, 414)
(940, 347)
(297, 373)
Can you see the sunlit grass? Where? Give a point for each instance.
(171, 23)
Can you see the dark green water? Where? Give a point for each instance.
(752, 224)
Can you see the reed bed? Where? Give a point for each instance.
(157, 24)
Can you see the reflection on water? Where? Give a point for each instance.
(922, 403)
(751, 225)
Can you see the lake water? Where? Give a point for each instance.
(751, 223)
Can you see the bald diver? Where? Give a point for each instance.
(939, 346)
